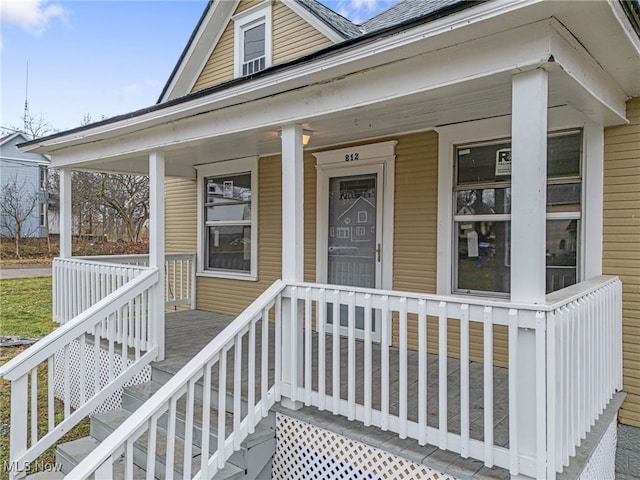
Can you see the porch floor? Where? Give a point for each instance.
(187, 332)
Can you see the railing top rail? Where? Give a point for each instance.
(111, 258)
(61, 336)
(88, 261)
(553, 301)
(128, 428)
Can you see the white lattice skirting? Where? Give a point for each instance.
(113, 402)
(602, 463)
(304, 451)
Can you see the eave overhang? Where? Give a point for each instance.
(307, 82)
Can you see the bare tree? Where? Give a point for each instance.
(128, 197)
(18, 201)
(35, 126)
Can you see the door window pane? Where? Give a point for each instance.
(562, 253)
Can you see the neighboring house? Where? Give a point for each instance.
(491, 152)
(26, 174)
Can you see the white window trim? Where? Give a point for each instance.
(247, 19)
(561, 118)
(230, 167)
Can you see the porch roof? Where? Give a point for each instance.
(451, 70)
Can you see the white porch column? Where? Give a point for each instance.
(292, 257)
(66, 218)
(156, 245)
(528, 238)
(528, 186)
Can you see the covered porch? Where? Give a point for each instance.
(512, 377)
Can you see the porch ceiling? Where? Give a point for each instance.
(487, 97)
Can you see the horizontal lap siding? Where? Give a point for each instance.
(181, 215)
(621, 243)
(233, 296)
(292, 37)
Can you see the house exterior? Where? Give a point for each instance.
(487, 154)
(27, 174)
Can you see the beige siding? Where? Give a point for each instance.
(181, 215)
(292, 38)
(233, 296)
(621, 249)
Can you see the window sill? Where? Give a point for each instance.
(228, 275)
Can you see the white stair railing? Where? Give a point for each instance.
(121, 324)
(218, 365)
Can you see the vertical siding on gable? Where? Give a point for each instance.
(233, 296)
(621, 243)
(292, 37)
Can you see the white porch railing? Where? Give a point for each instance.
(210, 366)
(79, 282)
(121, 322)
(582, 321)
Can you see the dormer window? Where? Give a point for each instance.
(253, 40)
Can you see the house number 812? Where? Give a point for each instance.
(350, 157)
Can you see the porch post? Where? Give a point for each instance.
(528, 241)
(156, 245)
(66, 218)
(292, 257)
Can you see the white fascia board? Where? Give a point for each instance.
(497, 54)
(314, 21)
(320, 70)
(625, 25)
(576, 62)
(205, 41)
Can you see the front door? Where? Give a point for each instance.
(353, 254)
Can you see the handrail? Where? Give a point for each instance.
(164, 399)
(39, 351)
(104, 321)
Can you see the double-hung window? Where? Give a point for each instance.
(482, 214)
(252, 30)
(228, 228)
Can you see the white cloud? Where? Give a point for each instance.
(31, 15)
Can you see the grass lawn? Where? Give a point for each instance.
(25, 311)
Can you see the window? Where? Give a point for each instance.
(43, 177)
(252, 40)
(228, 228)
(482, 214)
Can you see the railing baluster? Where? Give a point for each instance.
(367, 359)
(514, 447)
(237, 390)
(206, 420)
(442, 374)
(188, 427)
(222, 397)
(278, 345)
(293, 351)
(336, 353)
(384, 371)
(171, 438)
(67, 382)
(403, 391)
(51, 418)
(265, 361)
(308, 359)
(83, 369)
(128, 464)
(321, 322)
(488, 386)
(351, 356)
(464, 381)
(551, 394)
(541, 396)
(251, 381)
(34, 406)
(152, 440)
(422, 372)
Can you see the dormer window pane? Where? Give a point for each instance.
(254, 42)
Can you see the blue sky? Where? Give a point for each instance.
(100, 58)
